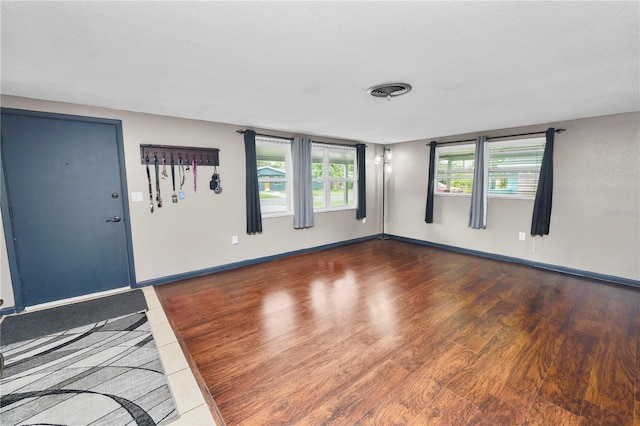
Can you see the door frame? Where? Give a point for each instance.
(16, 282)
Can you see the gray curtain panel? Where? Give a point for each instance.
(302, 193)
(544, 193)
(361, 211)
(478, 210)
(254, 218)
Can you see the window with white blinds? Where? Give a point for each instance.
(514, 167)
(455, 169)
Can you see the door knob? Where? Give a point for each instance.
(115, 219)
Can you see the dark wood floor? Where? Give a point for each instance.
(386, 332)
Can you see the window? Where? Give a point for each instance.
(333, 171)
(273, 159)
(514, 167)
(455, 169)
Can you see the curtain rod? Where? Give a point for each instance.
(241, 131)
(501, 137)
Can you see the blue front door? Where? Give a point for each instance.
(66, 205)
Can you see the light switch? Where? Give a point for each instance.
(136, 197)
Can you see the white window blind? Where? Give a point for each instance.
(514, 167)
(455, 169)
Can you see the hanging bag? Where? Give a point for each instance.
(214, 185)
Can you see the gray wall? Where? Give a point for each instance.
(196, 233)
(595, 222)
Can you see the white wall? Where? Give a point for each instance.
(196, 233)
(595, 221)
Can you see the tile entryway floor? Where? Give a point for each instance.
(189, 400)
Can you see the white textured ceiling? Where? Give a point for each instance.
(304, 67)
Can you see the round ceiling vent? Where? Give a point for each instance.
(389, 90)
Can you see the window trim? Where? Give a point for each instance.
(272, 141)
(326, 180)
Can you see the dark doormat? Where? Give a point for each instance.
(21, 327)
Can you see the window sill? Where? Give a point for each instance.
(334, 209)
(513, 197)
(283, 214)
(452, 194)
(270, 215)
(497, 196)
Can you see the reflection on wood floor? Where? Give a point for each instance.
(387, 332)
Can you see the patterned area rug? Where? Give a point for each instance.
(105, 373)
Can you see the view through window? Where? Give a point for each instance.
(273, 160)
(333, 171)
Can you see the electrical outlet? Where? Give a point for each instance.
(522, 236)
(234, 239)
(364, 220)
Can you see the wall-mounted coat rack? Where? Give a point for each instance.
(203, 156)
